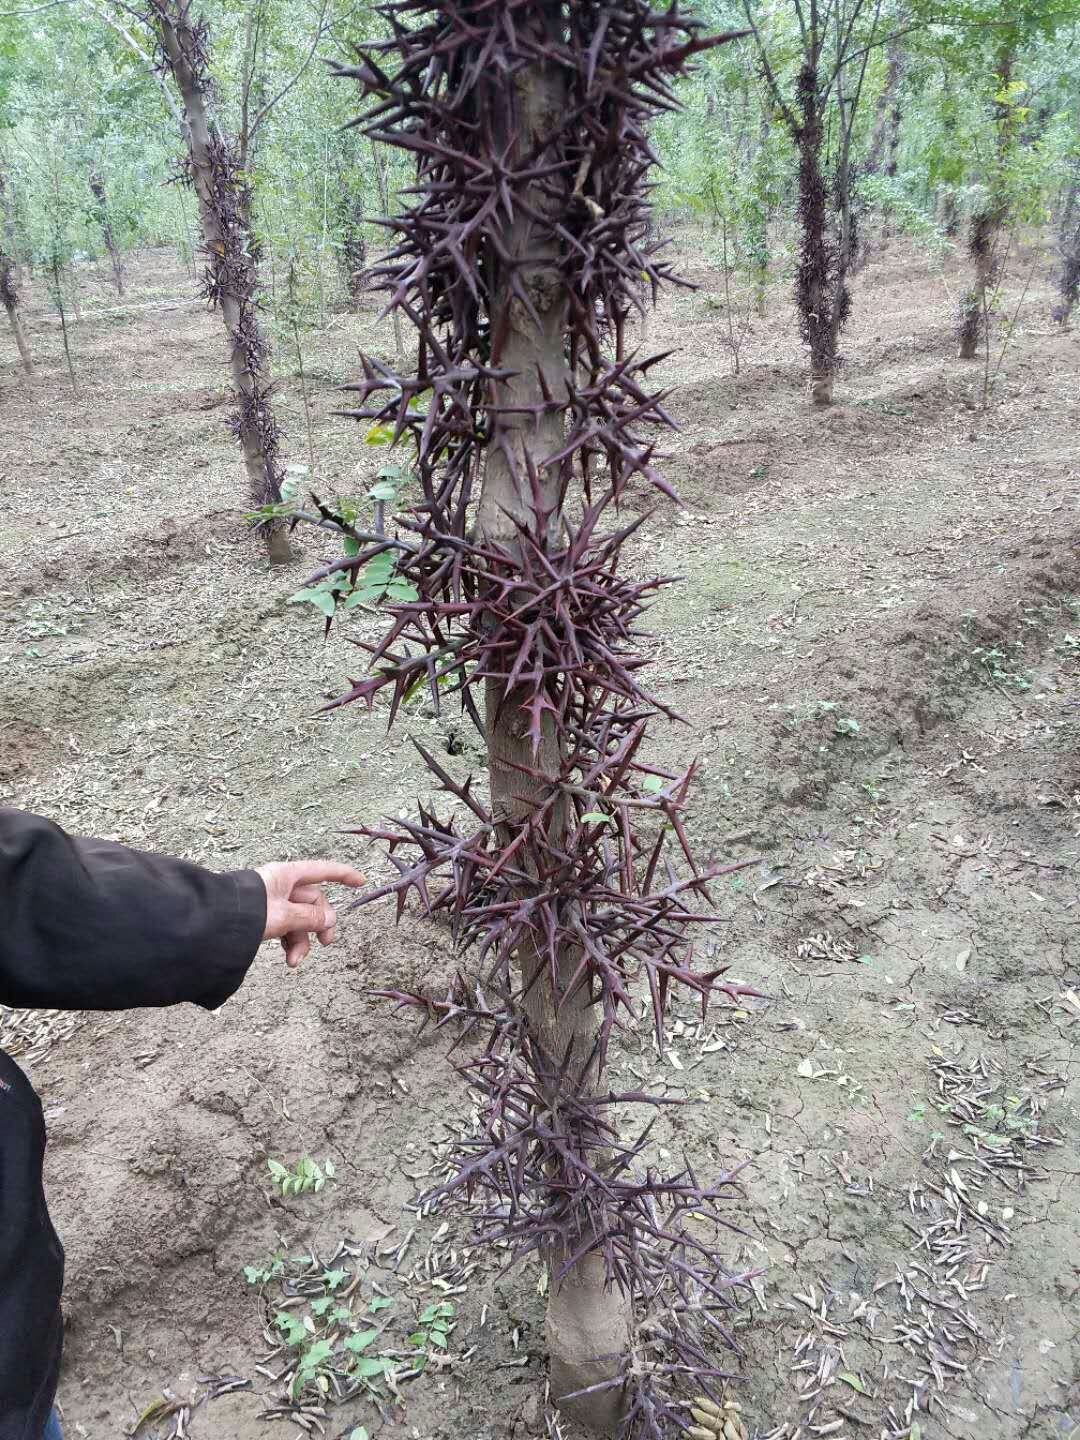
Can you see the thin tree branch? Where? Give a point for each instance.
(802, 24)
(251, 54)
(770, 79)
(843, 40)
(320, 30)
(148, 62)
(51, 5)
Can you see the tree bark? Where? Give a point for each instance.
(218, 181)
(885, 136)
(11, 304)
(353, 247)
(97, 189)
(990, 218)
(816, 258)
(1069, 249)
(588, 1325)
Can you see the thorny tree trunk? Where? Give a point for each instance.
(8, 281)
(817, 293)
(988, 220)
(231, 271)
(588, 1326)
(1069, 247)
(97, 189)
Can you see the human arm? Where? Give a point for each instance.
(89, 924)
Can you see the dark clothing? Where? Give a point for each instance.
(88, 925)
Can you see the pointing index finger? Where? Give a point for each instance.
(319, 872)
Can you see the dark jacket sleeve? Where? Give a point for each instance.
(90, 925)
(31, 1266)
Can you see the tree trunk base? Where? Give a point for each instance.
(821, 390)
(278, 548)
(969, 349)
(588, 1339)
(20, 340)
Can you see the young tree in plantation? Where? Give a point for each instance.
(835, 38)
(517, 262)
(9, 293)
(231, 279)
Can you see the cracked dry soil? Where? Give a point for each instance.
(876, 650)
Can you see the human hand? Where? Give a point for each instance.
(296, 907)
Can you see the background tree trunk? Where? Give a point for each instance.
(353, 248)
(588, 1326)
(989, 219)
(382, 180)
(1069, 249)
(9, 295)
(224, 205)
(817, 258)
(97, 189)
(9, 291)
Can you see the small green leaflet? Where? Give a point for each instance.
(319, 1353)
(367, 1366)
(360, 1433)
(322, 600)
(379, 435)
(360, 1340)
(853, 1380)
(595, 817)
(380, 580)
(653, 784)
(379, 1302)
(293, 1331)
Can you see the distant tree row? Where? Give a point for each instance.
(217, 129)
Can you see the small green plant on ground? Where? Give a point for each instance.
(816, 710)
(375, 579)
(994, 661)
(330, 1332)
(433, 1330)
(306, 1175)
(262, 1274)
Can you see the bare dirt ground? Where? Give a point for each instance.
(876, 648)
